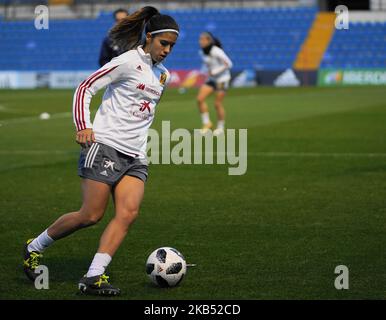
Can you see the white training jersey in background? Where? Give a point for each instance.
(134, 88)
(218, 64)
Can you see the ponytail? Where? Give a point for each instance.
(216, 41)
(213, 42)
(127, 34)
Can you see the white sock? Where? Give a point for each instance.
(205, 117)
(40, 243)
(98, 264)
(220, 124)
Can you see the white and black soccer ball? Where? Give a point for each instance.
(166, 267)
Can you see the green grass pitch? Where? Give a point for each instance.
(313, 198)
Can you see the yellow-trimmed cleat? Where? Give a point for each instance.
(218, 132)
(31, 261)
(206, 128)
(98, 285)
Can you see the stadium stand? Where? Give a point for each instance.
(259, 38)
(267, 38)
(361, 46)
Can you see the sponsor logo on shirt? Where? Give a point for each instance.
(145, 105)
(141, 113)
(143, 87)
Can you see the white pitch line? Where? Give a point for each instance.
(35, 118)
(303, 154)
(35, 152)
(319, 154)
(254, 154)
(7, 110)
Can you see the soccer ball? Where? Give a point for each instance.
(44, 116)
(166, 267)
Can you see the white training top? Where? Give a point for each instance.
(218, 64)
(134, 88)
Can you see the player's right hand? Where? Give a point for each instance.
(85, 137)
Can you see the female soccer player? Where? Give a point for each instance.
(218, 65)
(113, 153)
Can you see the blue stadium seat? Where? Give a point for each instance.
(363, 45)
(267, 38)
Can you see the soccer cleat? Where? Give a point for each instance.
(218, 132)
(206, 128)
(31, 261)
(98, 285)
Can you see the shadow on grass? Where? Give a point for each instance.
(67, 269)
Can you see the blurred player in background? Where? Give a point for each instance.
(113, 154)
(218, 65)
(108, 49)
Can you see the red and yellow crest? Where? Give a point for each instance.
(162, 78)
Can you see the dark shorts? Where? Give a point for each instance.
(218, 86)
(105, 164)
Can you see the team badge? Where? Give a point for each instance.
(162, 78)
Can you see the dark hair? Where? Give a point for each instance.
(215, 41)
(119, 11)
(127, 34)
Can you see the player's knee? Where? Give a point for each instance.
(91, 218)
(127, 215)
(218, 104)
(200, 99)
(94, 219)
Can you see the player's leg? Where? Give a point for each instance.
(203, 93)
(95, 199)
(128, 196)
(218, 103)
